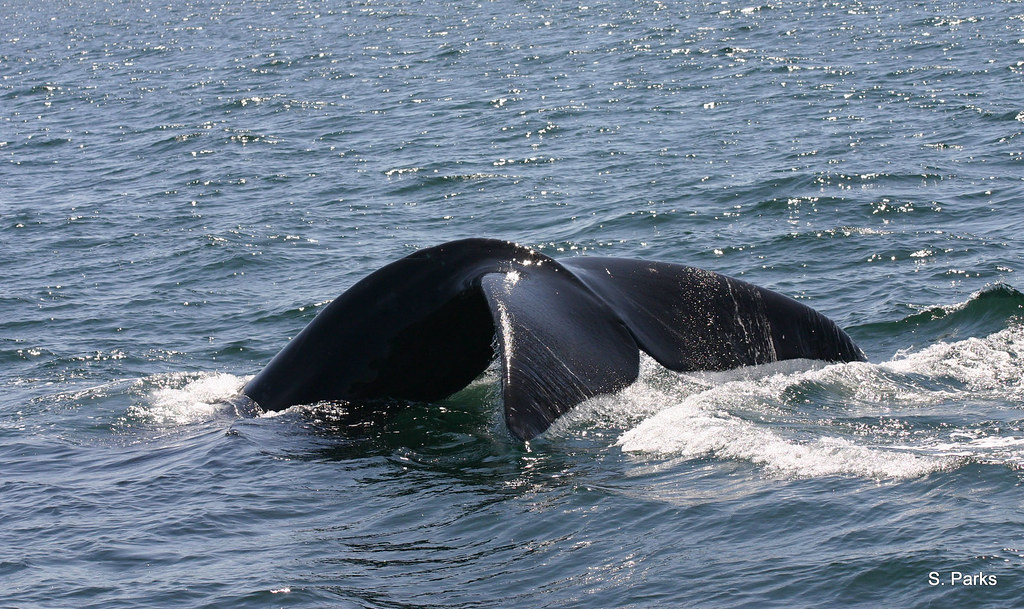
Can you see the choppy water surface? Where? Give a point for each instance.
(183, 185)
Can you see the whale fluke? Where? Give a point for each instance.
(425, 326)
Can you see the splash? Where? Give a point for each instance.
(179, 399)
(751, 419)
(689, 430)
(991, 366)
(921, 412)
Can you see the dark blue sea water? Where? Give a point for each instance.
(184, 184)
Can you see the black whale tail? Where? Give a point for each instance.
(425, 326)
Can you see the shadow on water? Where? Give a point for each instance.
(460, 442)
(340, 431)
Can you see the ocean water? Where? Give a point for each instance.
(184, 184)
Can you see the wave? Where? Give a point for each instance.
(985, 312)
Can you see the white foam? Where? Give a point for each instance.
(843, 419)
(180, 399)
(992, 364)
(700, 426)
(692, 435)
